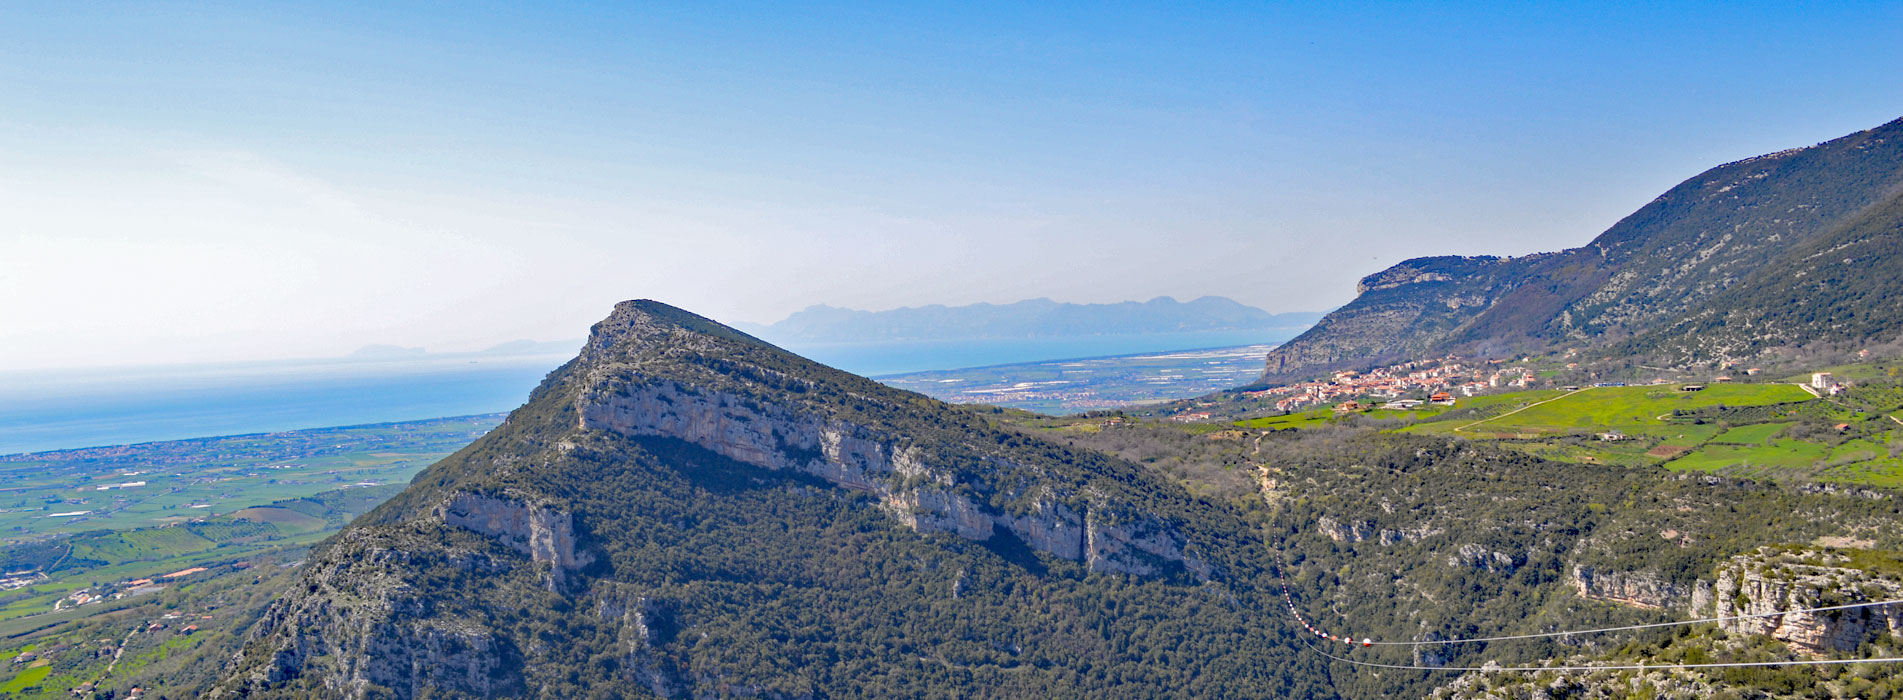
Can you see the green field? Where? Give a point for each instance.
(1767, 431)
(1751, 434)
(1304, 419)
(1427, 418)
(284, 519)
(209, 502)
(161, 483)
(1753, 430)
(1753, 460)
(26, 679)
(1630, 409)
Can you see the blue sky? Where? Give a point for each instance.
(249, 181)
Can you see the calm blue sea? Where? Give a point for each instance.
(69, 409)
(72, 409)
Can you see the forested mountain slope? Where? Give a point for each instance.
(1845, 285)
(1673, 257)
(686, 511)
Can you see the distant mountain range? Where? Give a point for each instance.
(1035, 318)
(1792, 248)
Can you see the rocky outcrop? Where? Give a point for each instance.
(1763, 591)
(1367, 530)
(1138, 547)
(1643, 589)
(546, 535)
(1475, 556)
(646, 624)
(1764, 588)
(358, 632)
(1350, 532)
(1077, 526)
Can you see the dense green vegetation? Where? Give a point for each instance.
(1838, 287)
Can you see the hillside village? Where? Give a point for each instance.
(1437, 379)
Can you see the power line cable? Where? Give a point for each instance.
(1609, 667)
(1655, 625)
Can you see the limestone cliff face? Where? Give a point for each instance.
(546, 535)
(1769, 584)
(1643, 589)
(890, 467)
(1761, 589)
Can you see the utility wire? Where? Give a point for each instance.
(1655, 625)
(1612, 667)
(1641, 627)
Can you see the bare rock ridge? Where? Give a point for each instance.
(1078, 524)
(1668, 263)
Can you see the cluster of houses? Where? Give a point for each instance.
(88, 596)
(1826, 384)
(83, 596)
(1440, 379)
(20, 579)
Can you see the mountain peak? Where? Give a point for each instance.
(645, 322)
(677, 469)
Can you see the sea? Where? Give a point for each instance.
(66, 409)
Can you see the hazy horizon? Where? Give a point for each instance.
(194, 184)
